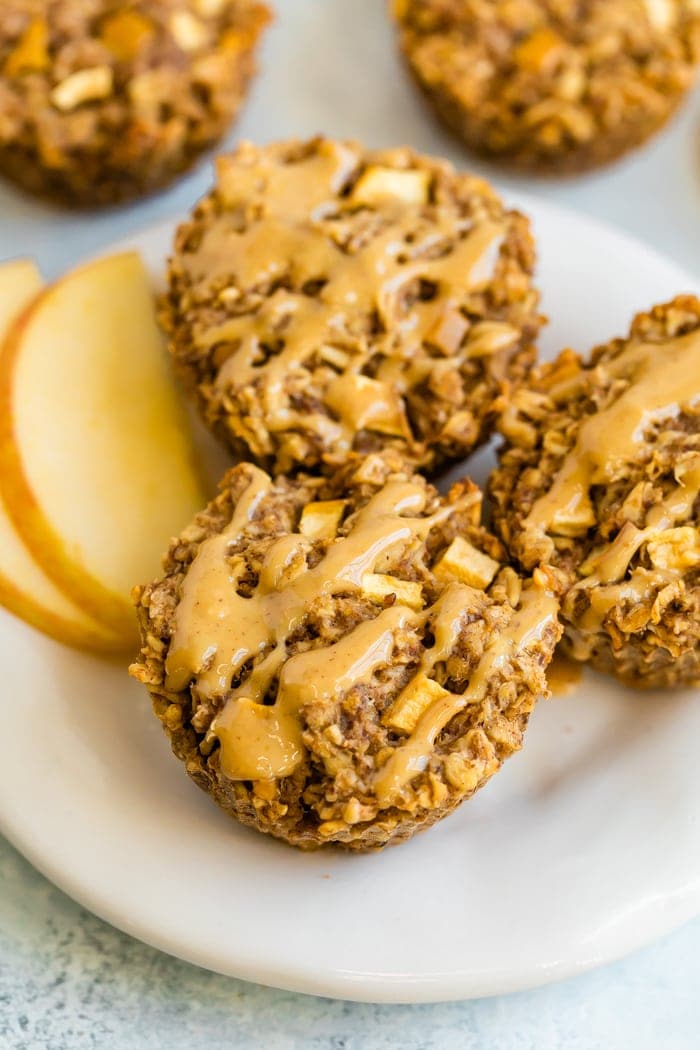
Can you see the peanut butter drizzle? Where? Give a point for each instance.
(260, 743)
(212, 619)
(563, 675)
(661, 377)
(373, 279)
(538, 609)
(606, 586)
(298, 189)
(217, 630)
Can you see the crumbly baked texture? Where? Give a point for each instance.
(104, 100)
(599, 478)
(326, 299)
(343, 661)
(552, 85)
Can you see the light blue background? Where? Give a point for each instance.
(67, 980)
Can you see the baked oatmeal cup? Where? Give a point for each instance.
(552, 85)
(325, 299)
(343, 661)
(104, 100)
(600, 479)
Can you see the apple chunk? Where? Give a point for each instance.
(24, 589)
(98, 468)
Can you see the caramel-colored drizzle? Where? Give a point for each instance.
(538, 610)
(661, 377)
(360, 283)
(563, 675)
(218, 631)
(258, 742)
(606, 584)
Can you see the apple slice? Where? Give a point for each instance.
(98, 464)
(24, 589)
(27, 591)
(20, 282)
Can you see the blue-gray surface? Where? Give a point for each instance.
(70, 982)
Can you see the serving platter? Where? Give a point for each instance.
(584, 847)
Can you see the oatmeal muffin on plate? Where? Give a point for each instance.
(104, 100)
(326, 299)
(343, 660)
(552, 85)
(600, 479)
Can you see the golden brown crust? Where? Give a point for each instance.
(550, 86)
(391, 280)
(102, 101)
(334, 795)
(640, 619)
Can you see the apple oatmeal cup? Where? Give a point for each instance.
(325, 299)
(552, 86)
(599, 478)
(343, 661)
(104, 100)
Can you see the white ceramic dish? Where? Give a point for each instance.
(584, 847)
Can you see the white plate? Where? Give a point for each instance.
(585, 846)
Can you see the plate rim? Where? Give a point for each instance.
(369, 987)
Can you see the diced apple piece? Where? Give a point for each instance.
(319, 521)
(408, 592)
(412, 702)
(462, 773)
(464, 562)
(537, 51)
(125, 32)
(380, 183)
(466, 770)
(364, 403)
(677, 549)
(210, 8)
(489, 337)
(371, 469)
(98, 469)
(575, 519)
(87, 85)
(189, 32)
(31, 54)
(688, 469)
(661, 13)
(24, 589)
(448, 331)
(333, 355)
